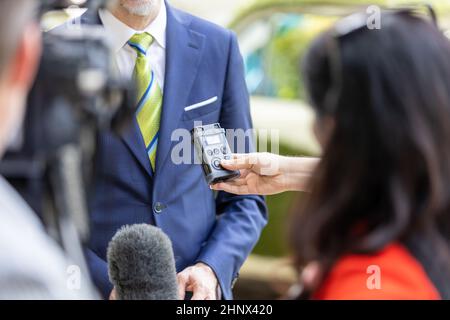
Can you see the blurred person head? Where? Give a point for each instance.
(385, 172)
(20, 49)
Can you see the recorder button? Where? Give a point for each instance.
(216, 151)
(210, 153)
(216, 164)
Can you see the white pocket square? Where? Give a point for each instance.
(201, 104)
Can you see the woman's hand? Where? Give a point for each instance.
(267, 174)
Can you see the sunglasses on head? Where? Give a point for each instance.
(359, 22)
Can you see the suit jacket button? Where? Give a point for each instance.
(158, 208)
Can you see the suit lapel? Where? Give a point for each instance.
(184, 49)
(131, 136)
(183, 56)
(90, 17)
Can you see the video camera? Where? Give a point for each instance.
(77, 94)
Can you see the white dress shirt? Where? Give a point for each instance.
(120, 33)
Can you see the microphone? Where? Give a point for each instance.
(142, 264)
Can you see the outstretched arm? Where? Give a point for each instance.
(267, 174)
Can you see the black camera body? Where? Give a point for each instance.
(78, 93)
(212, 147)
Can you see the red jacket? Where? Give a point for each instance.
(400, 275)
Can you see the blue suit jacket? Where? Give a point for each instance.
(203, 61)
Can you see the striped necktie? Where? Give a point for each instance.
(149, 95)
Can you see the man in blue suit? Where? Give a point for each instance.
(198, 72)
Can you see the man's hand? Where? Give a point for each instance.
(199, 279)
(113, 295)
(267, 174)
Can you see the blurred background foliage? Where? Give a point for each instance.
(274, 35)
(281, 56)
(272, 68)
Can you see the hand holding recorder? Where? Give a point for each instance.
(267, 174)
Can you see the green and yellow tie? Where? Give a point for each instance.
(149, 95)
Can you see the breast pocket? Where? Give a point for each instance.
(201, 109)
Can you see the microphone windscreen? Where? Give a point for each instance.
(142, 265)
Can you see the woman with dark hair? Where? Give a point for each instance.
(376, 224)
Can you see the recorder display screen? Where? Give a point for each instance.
(214, 139)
